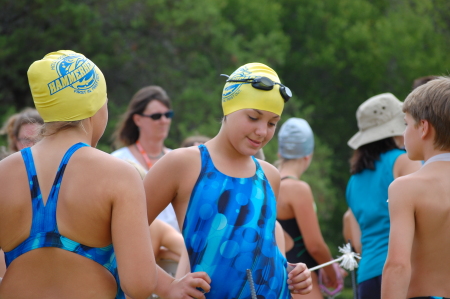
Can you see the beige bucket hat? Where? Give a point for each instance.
(378, 118)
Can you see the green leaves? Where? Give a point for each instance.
(333, 55)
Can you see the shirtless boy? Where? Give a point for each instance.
(418, 260)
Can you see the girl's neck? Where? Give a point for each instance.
(68, 137)
(221, 145)
(293, 168)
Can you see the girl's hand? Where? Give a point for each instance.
(192, 285)
(299, 279)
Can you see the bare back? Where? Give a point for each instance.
(91, 192)
(430, 256)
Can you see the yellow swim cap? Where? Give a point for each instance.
(237, 96)
(66, 86)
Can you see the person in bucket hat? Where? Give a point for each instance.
(377, 160)
(378, 118)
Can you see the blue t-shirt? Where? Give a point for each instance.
(367, 194)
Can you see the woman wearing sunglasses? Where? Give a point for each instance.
(144, 127)
(142, 131)
(225, 198)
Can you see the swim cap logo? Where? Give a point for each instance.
(234, 88)
(75, 71)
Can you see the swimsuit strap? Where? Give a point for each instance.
(441, 157)
(205, 156)
(289, 177)
(44, 216)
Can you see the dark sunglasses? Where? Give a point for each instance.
(156, 116)
(264, 83)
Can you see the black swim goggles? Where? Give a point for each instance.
(264, 83)
(156, 116)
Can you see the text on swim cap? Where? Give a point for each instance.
(71, 77)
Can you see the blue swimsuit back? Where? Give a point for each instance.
(44, 229)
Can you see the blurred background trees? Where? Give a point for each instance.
(332, 54)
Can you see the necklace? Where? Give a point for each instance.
(146, 156)
(156, 157)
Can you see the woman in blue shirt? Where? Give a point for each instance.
(376, 162)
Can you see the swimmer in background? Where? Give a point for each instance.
(296, 209)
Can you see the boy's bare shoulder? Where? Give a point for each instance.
(409, 187)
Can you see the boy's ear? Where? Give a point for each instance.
(427, 129)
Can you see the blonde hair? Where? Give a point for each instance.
(51, 128)
(431, 102)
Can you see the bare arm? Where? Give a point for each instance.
(301, 201)
(183, 265)
(162, 186)
(279, 236)
(129, 228)
(165, 235)
(397, 269)
(299, 278)
(2, 265)
(351, 230)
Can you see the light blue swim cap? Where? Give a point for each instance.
(295, 139)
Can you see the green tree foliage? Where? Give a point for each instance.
(343, 52)
(332, 54)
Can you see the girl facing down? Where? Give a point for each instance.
(72, 218)
(296, 209)
(225, 199)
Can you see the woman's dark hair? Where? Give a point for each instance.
(127, 133)
(365, 156)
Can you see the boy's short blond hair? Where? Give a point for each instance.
(431, 102)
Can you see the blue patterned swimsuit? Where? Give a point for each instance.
(44, 229)
(228, 228)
